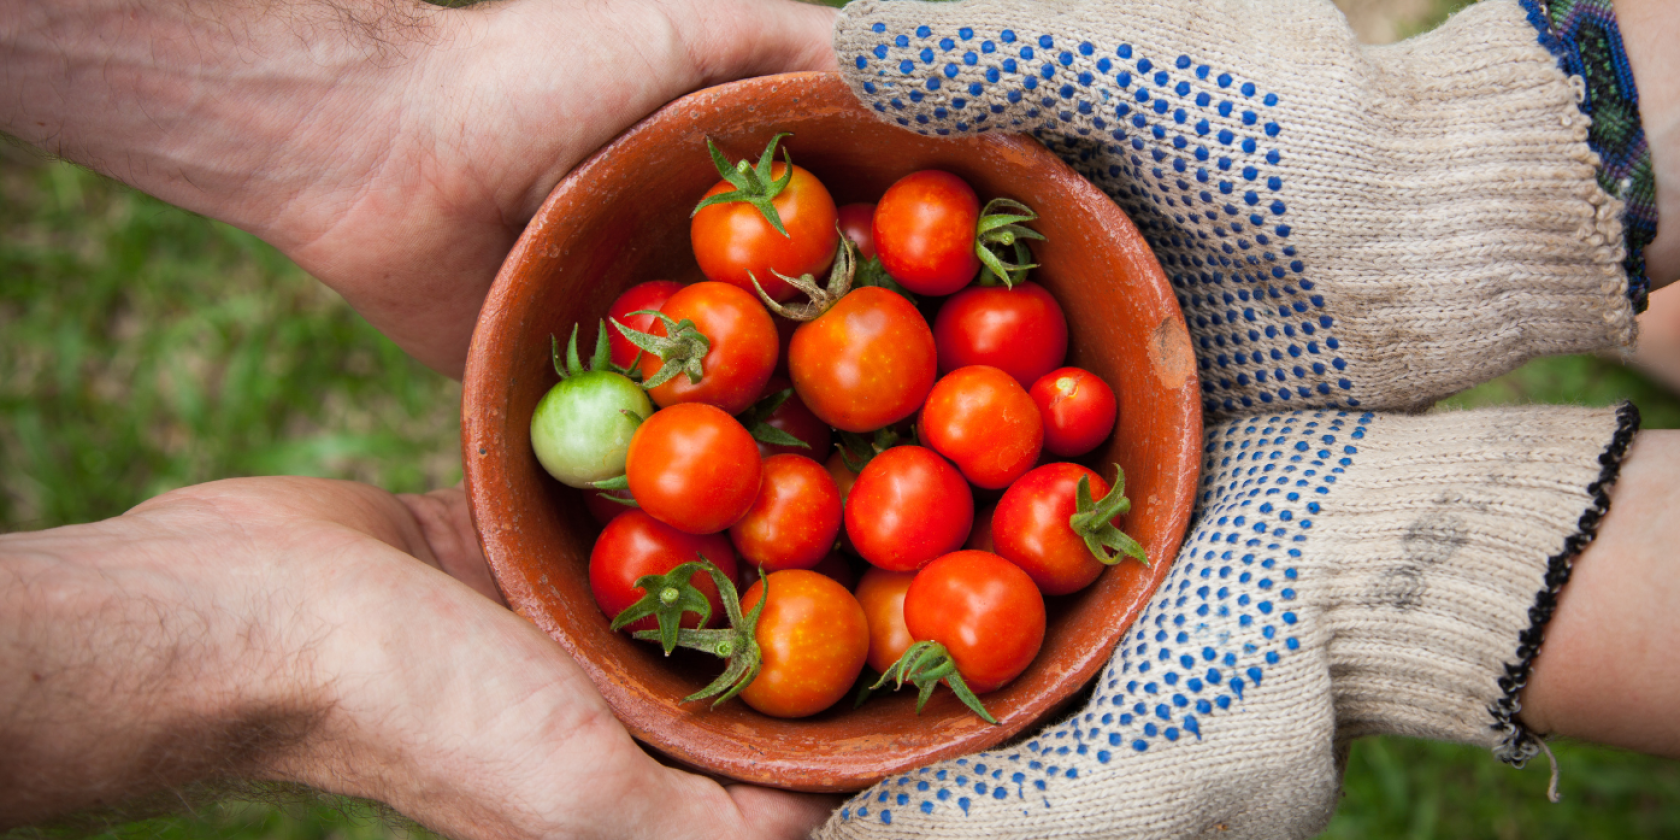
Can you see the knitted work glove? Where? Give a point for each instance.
(1343, 225)
(1349, 575)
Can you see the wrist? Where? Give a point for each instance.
(1605, 673)
(129, 672)
(1649, 30)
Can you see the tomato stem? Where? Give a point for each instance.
(857, 451)
(871, 273)
(737, 643)
(682, 349)
(756, 420)
(753, 184)
(1093, 521)
(668, 596)
(573, 366)
(925, 664)
(820, 297)
(1001, 228)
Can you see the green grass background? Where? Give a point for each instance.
(143, 348)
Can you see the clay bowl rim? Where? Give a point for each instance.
(733, 741)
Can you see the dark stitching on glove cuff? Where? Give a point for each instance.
(1517, 744)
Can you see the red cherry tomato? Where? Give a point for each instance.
(982, 420)
(693, 467)
(814, 639)
(1030, 528)
(881, 593)
(742, 354)
(857, 223)
(924, 232)
(867, 362)
(793, 523)
(794, 418)
(731, 240)
(1021, 330)
(1079, 410)
(635, 544)
(640, 297)
(984, 610)
(907, 507)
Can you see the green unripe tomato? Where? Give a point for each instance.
(580, 430)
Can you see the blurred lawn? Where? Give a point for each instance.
(143, 348)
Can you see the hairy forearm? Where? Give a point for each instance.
(121, 675)
(203, 103)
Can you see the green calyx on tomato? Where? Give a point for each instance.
(819, 298)
(682, 348)
(756, 419)
(600, 360)
(753, 185)
(857, 450)
(870, 272)
(925, 664)
(737, 643)
(1093, 521)
(668, 596)
(1001, 230)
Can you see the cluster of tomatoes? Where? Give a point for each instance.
(789, 436)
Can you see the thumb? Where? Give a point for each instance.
(735, 39)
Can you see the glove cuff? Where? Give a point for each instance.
(1585, 38)
(1447, 548)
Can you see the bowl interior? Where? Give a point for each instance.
(621, 219)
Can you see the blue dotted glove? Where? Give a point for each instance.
(1344, 226)
(1350, 574)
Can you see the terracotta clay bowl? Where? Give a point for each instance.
(622, 218)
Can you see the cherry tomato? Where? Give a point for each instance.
(867, 362)
(857, 223)
(907, 507)
(580, 430)
(984, 610)
(924, 232)
(694, 468)
(635, 544)
(982, 420)
(640, 297)
(793, 523)
(1021, 330)
(731, 240)
(814, 639)
(1030, 528)
(1079, 410)
(794, 418)
(742, 354)
(881, 593)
